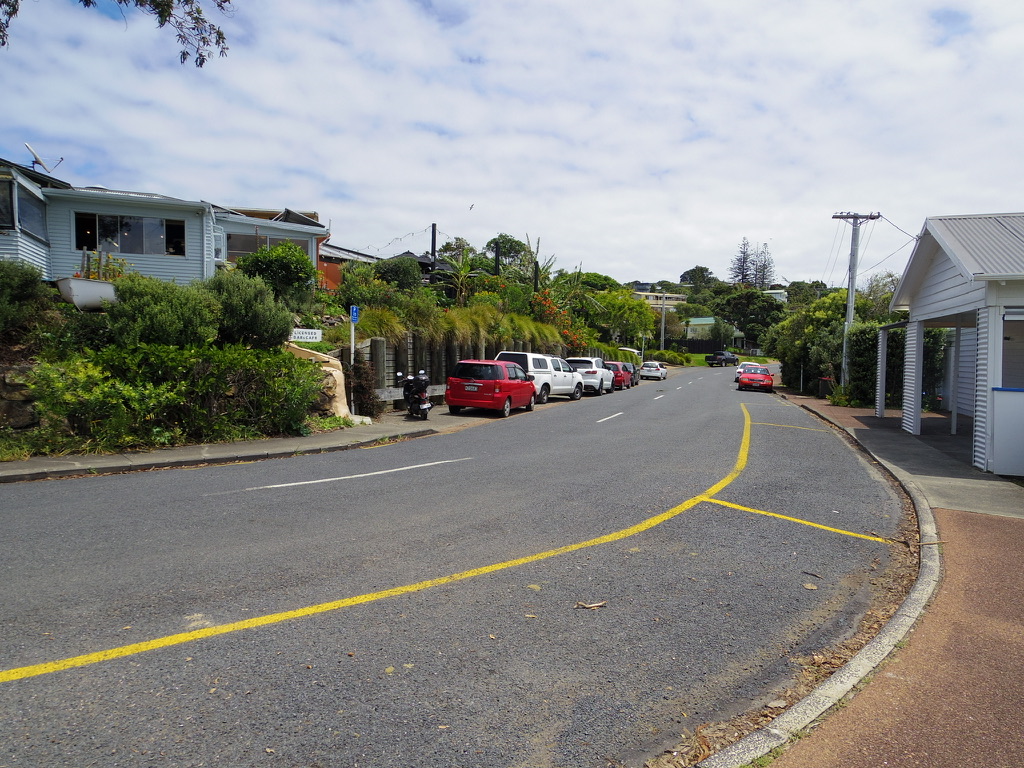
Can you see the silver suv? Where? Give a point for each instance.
(551, 375)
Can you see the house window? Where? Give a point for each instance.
(6, 204)
(31, 214)
(130, 234)
(243, 245)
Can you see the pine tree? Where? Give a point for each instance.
(742, 270)
(763, 268)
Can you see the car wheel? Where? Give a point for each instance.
(577, 393)
(506, 409)
(529, 405)
(600, 389)
(454, 409)
(543, 396)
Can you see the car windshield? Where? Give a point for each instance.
(650, 365)
(762, 371)
(577, 364)
(479, 371)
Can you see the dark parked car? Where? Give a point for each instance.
(499, 385)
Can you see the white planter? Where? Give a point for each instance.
(86, 294)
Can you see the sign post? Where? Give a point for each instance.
(353, 318)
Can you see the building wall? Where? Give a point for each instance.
(65, 260)
(944, 291)
(16, 245)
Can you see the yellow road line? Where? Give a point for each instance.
(789, 426)
(797, 520)
(299, 613)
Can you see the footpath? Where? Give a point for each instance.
(938, 688)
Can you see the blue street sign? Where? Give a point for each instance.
(353, 313)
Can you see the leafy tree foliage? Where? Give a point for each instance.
(686, 310)
(752, 311)
(403, 271)
(286, 268)
(699, 278)
(514, 253)
(625, 318)
(196, 35)
(800, 293)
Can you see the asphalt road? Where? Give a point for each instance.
(416, 604)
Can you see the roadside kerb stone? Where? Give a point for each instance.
(799, 716)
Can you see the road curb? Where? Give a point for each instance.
(199, 456)
(799, 716)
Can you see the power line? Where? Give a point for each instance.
(912, 240)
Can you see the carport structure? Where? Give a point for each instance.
(966, 274)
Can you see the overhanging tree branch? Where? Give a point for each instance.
(196, 35)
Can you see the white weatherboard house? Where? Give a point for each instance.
(48, 223)
(967, 274)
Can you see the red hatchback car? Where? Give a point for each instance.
(621, 377)
(756, 378)
(499, 385)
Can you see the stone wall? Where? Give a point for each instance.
(16, 408)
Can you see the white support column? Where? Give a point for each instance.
(955, 393)
(883, 353)
(913, 378)
(990, 342)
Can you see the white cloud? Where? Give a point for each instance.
(637, 140)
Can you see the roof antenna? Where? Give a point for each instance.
(37, 160)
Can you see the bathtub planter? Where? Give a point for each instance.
(87, 295)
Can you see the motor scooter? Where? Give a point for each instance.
(414, 390)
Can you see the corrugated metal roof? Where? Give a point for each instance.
(987, 245)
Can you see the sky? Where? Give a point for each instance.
(633, 139)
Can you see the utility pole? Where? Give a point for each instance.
(855, 220)
(663, 321)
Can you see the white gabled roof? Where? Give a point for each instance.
(982, 247)
(988, 246)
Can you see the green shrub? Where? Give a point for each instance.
(151, 311)
(403, 271)
(361, 382)
(154, 395)
(250, 314)
(68, 332)
(286, 268)
(23, 295)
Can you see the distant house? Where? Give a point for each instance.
(657, 300)
(967, 274)
(699, 328)
(331, 259)
(52, 225)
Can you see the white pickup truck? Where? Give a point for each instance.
(551, 375)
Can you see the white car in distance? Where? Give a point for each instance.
(652, 369)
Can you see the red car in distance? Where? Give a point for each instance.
(621, 377)
(756, 378)
(499, 385)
